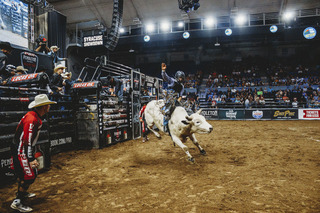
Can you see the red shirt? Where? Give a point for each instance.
(27, 134)
(142, 111)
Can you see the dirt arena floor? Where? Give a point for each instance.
(251, 166)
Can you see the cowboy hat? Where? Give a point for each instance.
(40, 100)
(21, 69)
(59, 67)
(64, 75)
(54, 47)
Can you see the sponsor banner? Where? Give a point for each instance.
(210, 114)
(257, 114)
(23, 78)
(309, 114)
(284, 114)
(29, 61)
(60, 141)
(231, 114)
(91, 41)
(92, 84)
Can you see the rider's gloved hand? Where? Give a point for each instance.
(163, 67)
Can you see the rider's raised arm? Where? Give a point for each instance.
(165, 75)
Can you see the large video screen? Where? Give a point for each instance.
(14, 22)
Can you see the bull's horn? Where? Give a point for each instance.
(199, 111)
(188, 118)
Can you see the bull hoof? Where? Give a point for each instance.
(159, 136)
(191, 160)
(203, 152)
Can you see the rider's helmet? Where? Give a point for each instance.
(179, 76)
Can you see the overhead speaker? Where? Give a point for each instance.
(114, 33)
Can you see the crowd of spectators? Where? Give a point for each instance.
(248, 97)
(194, 80)
(297, 79)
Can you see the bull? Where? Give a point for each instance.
(181, 125)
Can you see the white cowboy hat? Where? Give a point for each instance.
(54, 47)
(59, 67)
(64, 75)
(40, 100)
(21, 69)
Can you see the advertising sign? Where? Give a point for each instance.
(210, 114)
(91, 41)
(231, 114)
(309, 114)
(24, 77)
(29, 61)
(285, 114)
(258, 114)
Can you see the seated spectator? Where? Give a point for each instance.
(286, 99)
(247, 103)
(261, 100)
(295, 103)
(57, 80)
(237, 100)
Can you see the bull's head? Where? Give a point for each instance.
(198, 123)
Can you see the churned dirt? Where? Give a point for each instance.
(251, 166)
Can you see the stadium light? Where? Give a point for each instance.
(150, 28)
(165, 26)
(288, 15)
(186, 35)
(121, 30)
(146, 38)
(209, 22)
(180, 24)
(240, 19)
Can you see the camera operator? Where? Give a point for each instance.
(42, 45)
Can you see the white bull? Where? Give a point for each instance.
(181, 126)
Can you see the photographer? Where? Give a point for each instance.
(42, 45)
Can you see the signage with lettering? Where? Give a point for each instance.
(285, 114)
(258, 114)
(60, 141)
(24, 77)
(210, 114)
(91, 41)
(309, 114)
(231, 114)
(29, 61)
(92, 84)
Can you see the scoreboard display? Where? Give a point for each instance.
(14, 22)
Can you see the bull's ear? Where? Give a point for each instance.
(188, 118)
(199, 111)
(185, 122)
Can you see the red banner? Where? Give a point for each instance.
(24, 77)
(83, 85)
